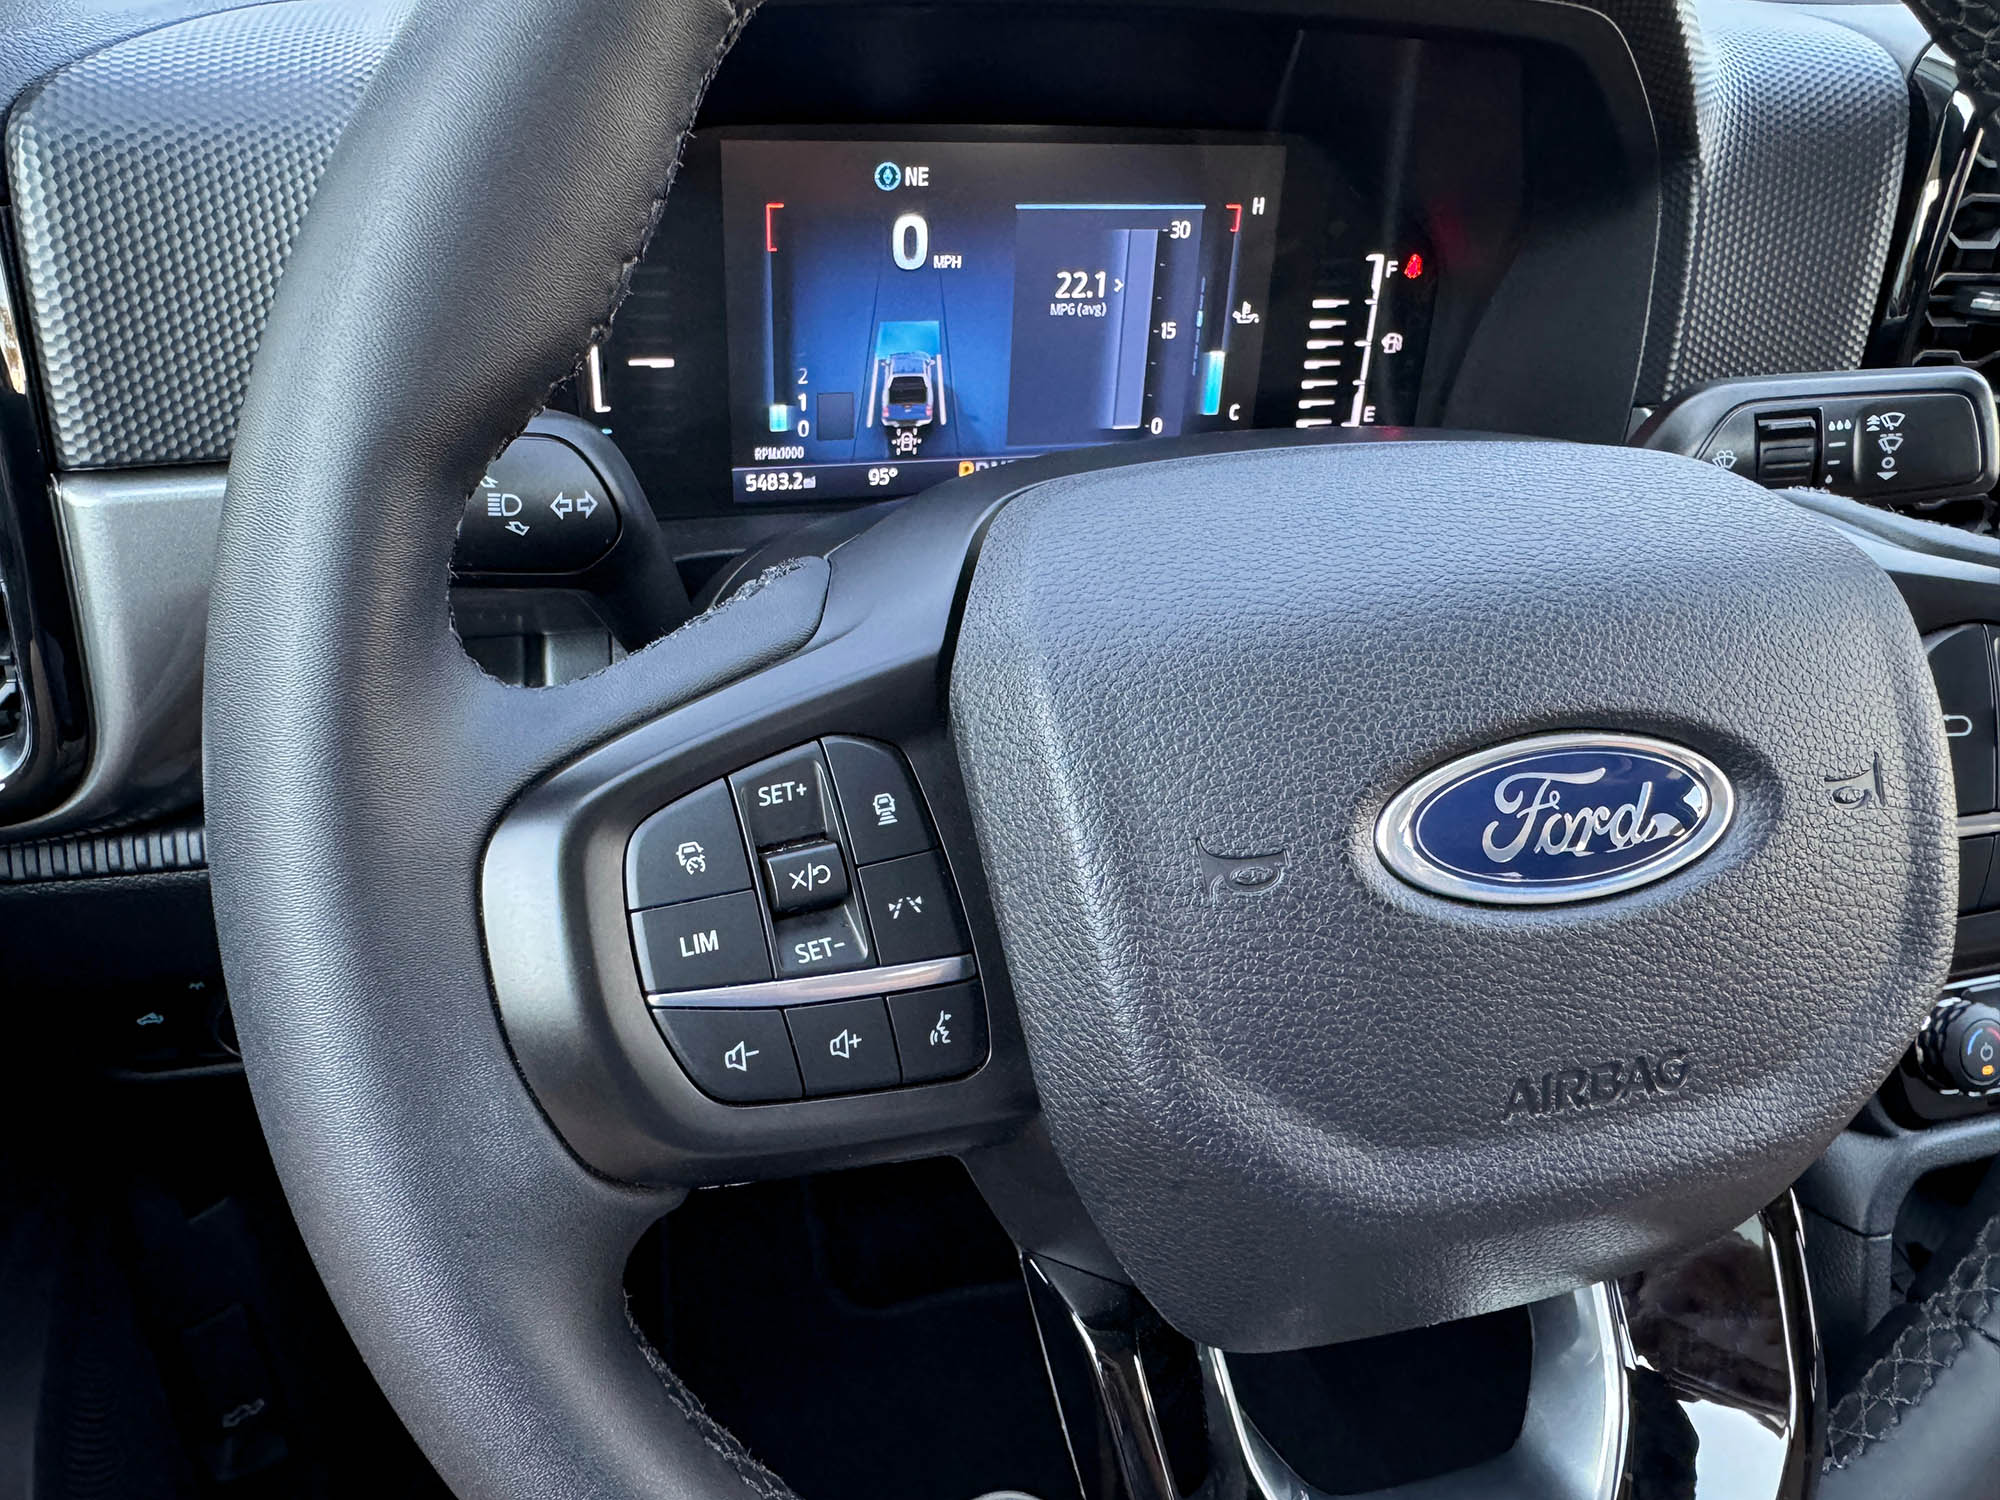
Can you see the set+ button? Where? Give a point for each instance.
(783, 800)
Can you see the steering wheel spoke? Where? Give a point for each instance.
(750, 936)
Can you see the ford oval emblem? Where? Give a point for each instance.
(1561, 817)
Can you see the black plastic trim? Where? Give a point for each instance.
(34, 594)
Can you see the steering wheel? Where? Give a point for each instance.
(1162, 708)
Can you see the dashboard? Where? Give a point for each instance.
(895, 269)
(912, 241)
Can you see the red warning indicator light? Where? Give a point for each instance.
(1413, 267)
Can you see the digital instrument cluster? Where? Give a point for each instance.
(857, 317)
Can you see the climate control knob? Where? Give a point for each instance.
(1959, 1048)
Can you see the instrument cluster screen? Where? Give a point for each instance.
(900, 312)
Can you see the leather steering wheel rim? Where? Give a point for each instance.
(476, 1262)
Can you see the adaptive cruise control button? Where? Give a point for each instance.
(885, 818)
(939, 1033)
(783, 800)
(737, 1056)
(687, 850)
(911, 908)
(700, 944)
(844, 1048)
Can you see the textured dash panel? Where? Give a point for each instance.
(158, 185)
(1803, 127)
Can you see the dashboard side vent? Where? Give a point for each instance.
(1962, 314)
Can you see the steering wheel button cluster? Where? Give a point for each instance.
(844, 1048)
(910, 906)
(939, 1033)
(783, 800)
(798, 934)
(805, 878)
(737, 1056)
(686, 851)
(701, 944)
(885, 817)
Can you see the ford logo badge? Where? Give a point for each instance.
(1561, 817)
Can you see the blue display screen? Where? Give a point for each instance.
(903, 311)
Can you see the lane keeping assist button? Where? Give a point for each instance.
(912, 910)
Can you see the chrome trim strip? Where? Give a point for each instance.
(813, 988)
(1957, 137)
(1573, 1437)
(1395, 829)
(1978, 823)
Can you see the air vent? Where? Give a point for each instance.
(1962, 317)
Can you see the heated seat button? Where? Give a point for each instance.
(939, 1033)
(1960, 661)
(911, 909)
(845, 1047)
(806, 877)
(686, 851)
(1917, 444)
(737, 1056)
(699, 944)
(783, 800)
(885, 819)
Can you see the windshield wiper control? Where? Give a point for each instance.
(1887, 435)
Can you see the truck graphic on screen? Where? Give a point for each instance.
(909, 390)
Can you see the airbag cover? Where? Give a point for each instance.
(1307, 1101)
